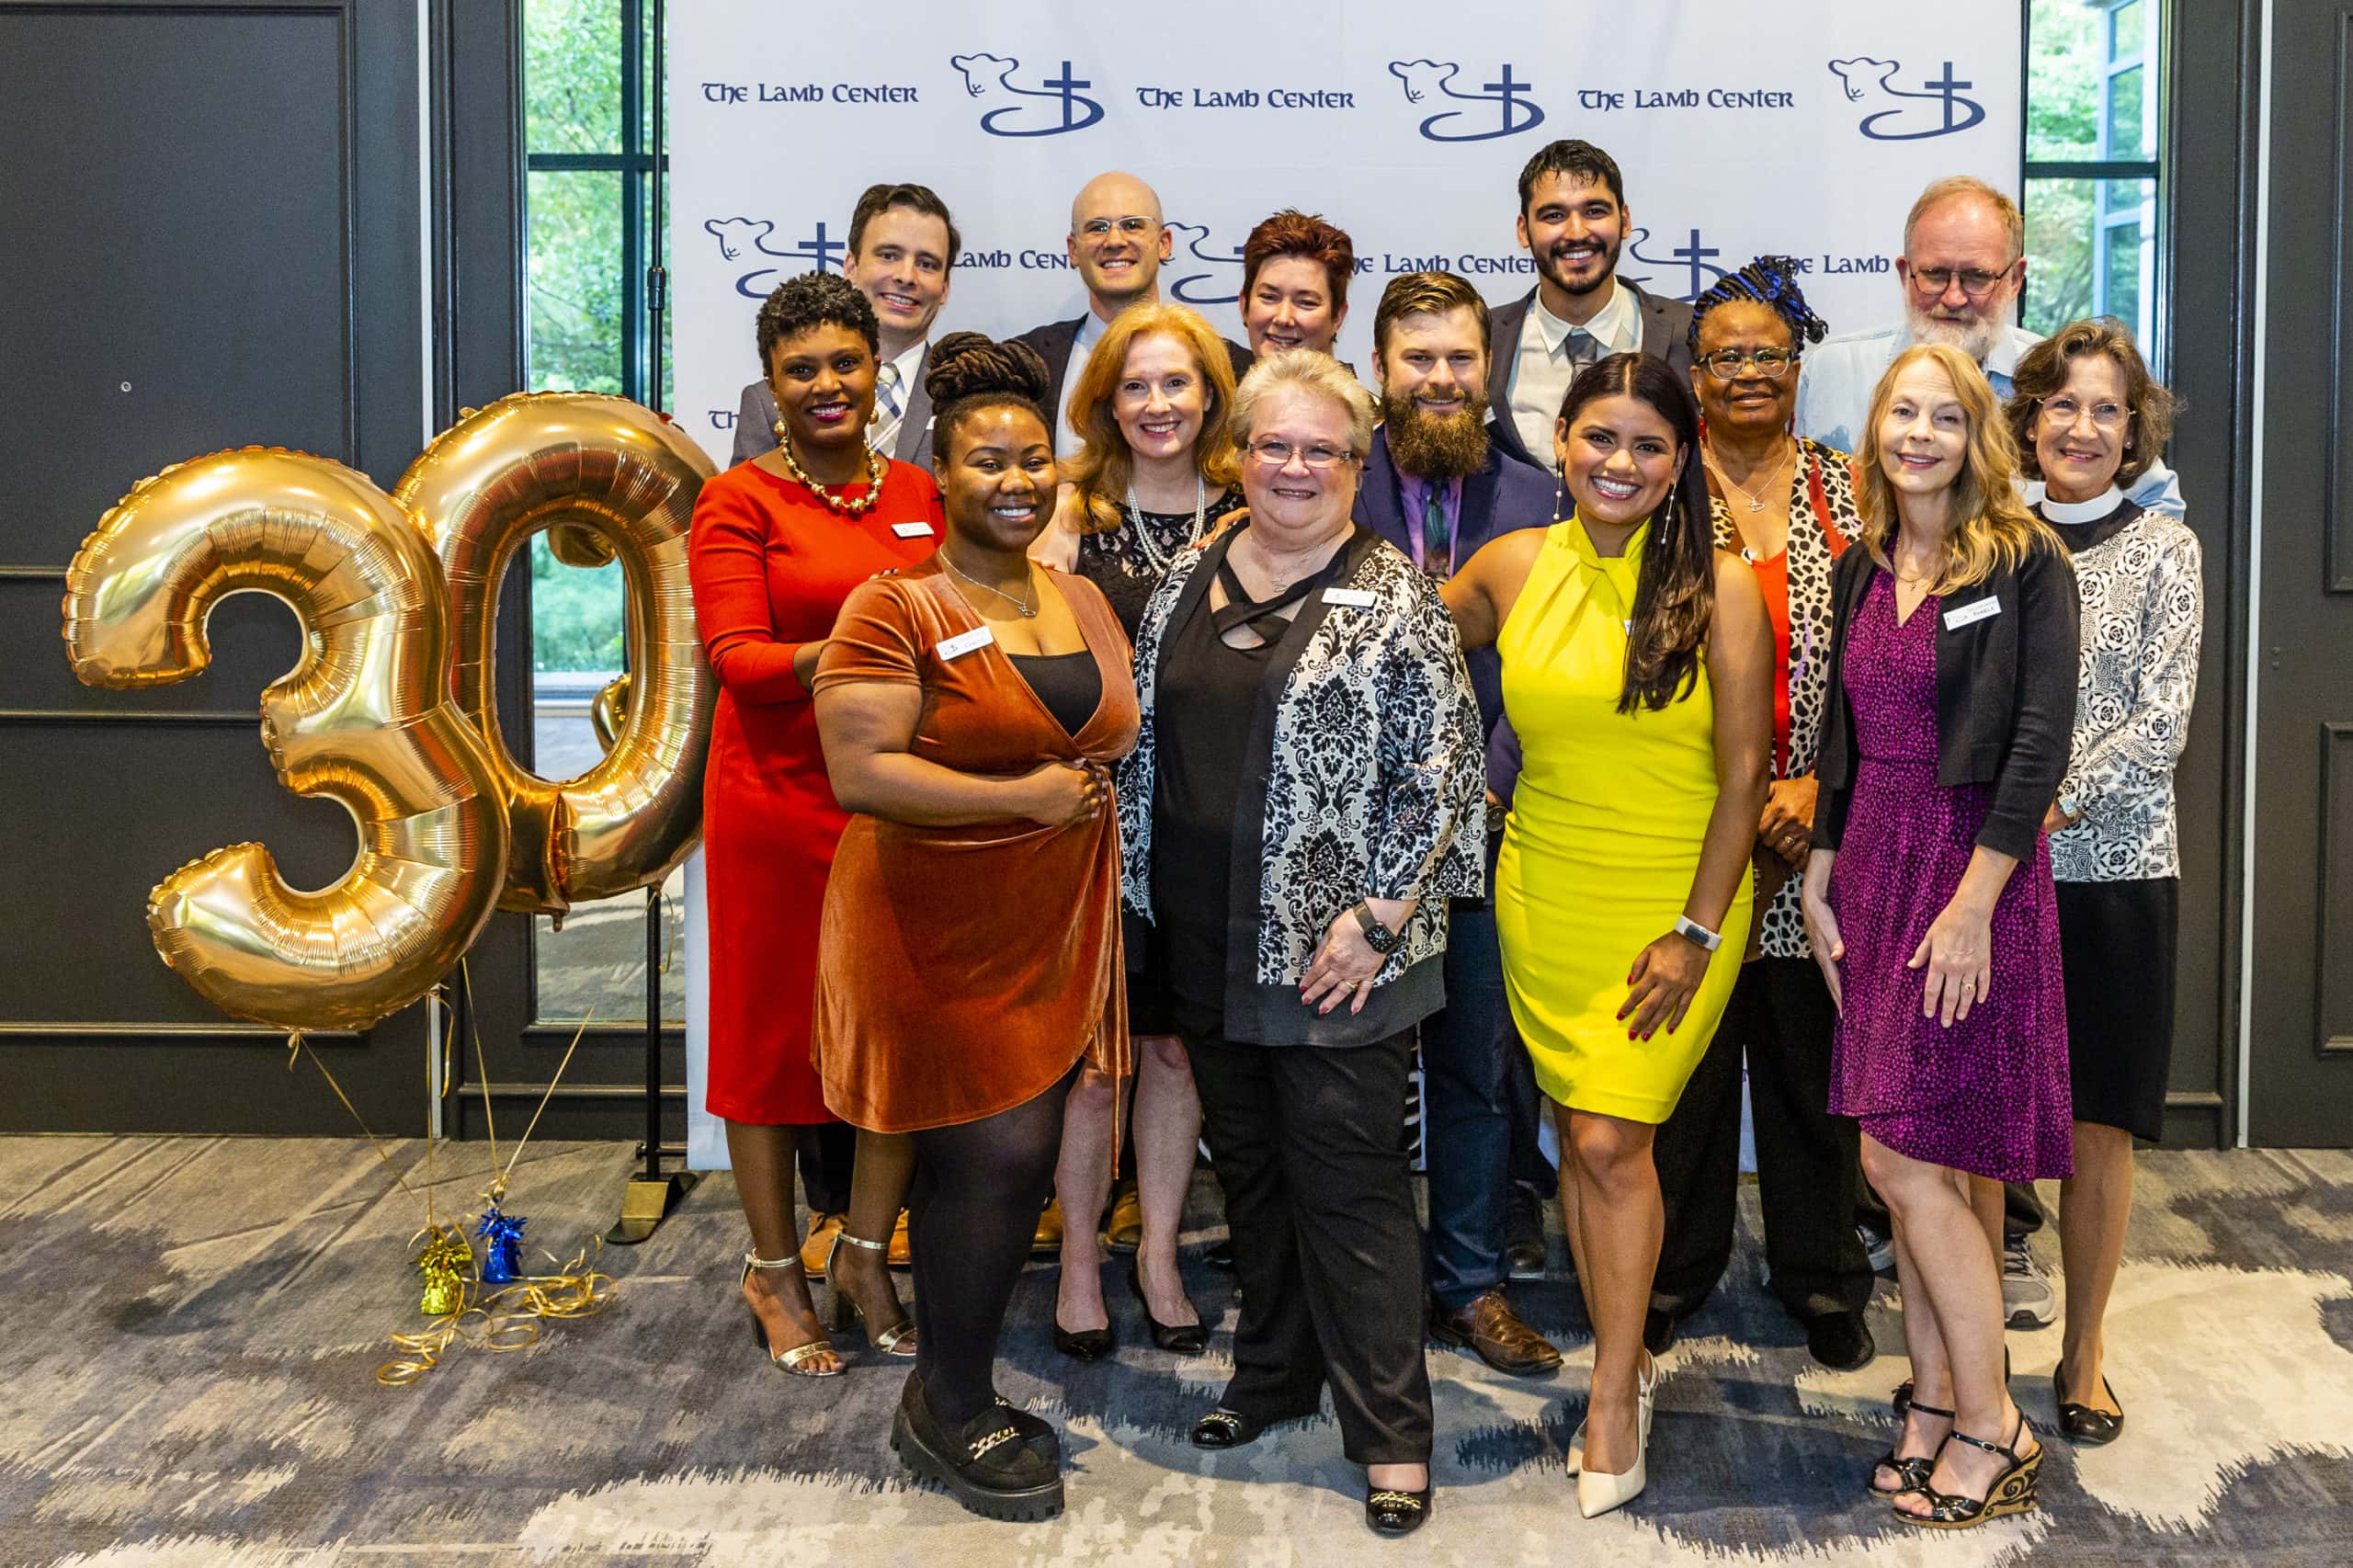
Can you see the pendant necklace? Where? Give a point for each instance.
(1755, 502)
(1027, 608)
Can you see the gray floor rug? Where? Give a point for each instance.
(192, 1327)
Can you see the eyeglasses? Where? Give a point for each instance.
(1771, 363)
(1932, 281)
(1132, 227)
(1277, 453)
(2061, 412)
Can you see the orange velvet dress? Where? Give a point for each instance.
(963, 971)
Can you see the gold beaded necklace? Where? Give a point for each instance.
(847, 508)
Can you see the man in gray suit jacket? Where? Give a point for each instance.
(903, 246)
(1573, 222)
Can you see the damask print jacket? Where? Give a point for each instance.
(2143, 615)
(1365, 778)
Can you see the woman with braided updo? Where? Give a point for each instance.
(970, 961)
(1786, 505)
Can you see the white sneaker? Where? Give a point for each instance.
(2026, 1294)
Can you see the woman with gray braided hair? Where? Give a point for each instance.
(1786, 505)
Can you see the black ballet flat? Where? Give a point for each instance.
(1223, 1428)
(1183, 1338)
(1086, 1344)
(1397, 1513)
(2085, 1426)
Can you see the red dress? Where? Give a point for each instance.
(771, 566)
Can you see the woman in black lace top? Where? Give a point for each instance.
(1156, 475)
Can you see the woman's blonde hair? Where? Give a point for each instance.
(1102, 473)
(1992, 527)
(1315, 372)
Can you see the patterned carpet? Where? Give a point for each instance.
(193, 1325)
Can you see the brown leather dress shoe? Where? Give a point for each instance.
(817, 1246)
(900, 1257)
(1488, 1329)
(1048, 1239)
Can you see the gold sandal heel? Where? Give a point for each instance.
(793, 1359)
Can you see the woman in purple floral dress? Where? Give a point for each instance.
(1929, 896)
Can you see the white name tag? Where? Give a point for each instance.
(1970, 614)
(911, 530)
(1354, 598)
(963, 643)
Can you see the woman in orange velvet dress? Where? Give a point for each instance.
(777, 544)
(969, 960)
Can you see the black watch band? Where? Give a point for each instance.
(1383, 939)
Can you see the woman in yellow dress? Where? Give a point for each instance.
(1638, 672)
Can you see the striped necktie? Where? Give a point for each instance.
(883, 432)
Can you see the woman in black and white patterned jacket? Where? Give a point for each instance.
(2089, 419)
(1306, 793)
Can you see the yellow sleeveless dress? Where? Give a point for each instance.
(1603, 839)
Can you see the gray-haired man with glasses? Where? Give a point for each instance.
(1963, 264)
(1118, 240)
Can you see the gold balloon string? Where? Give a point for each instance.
(296, 1045)
(506, 1320)
(498, 1187)
(482, 1067)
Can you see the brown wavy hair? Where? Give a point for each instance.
(1102, 473)
(2042, 373)
(1674, 596)
(1992, 529)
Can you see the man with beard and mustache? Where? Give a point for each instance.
(1437, 486)
(1963, 264)
(1573, 222)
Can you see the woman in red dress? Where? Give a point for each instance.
(778, 544)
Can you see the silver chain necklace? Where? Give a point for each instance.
(1144, 541)
(1028, 610)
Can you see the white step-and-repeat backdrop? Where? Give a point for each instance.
(1803, 127)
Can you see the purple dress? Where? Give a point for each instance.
(1988, 1095)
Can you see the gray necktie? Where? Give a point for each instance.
(883, 432)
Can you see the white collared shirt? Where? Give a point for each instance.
(1090, 333)
(1542, 368)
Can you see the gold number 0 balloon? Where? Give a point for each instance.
(612, 479)
(365, 718)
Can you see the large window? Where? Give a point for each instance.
(591, 233)
(2095, 85)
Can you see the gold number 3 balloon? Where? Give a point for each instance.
(365, 718)
(384, 715)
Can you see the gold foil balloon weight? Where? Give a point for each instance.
(446, 1264)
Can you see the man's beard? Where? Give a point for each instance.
(1975, 338)
(1550, 269)
(1437, 445)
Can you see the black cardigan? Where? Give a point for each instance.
(2005, 696)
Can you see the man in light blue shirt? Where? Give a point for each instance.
(1963, 262)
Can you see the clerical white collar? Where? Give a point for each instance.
(2101, 505)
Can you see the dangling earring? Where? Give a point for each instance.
(1560, 493)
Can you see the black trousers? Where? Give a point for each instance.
(1310, 1156)
(1779, 1017)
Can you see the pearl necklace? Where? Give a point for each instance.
(1144, 542)
(1755, 502)
(847, 508)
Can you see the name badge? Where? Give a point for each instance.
(1354, 598)
(1970, 614)
(963, 643)
(911, 530)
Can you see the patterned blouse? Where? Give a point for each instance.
(1806, 676)
(1127, 568)
(1374, 786)
(2139, 577)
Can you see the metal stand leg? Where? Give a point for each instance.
(651, 1193)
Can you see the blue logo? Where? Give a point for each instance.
(1191, 242)
(1029, 116)
(1690, 258)
(1515, 112)
(1863, 79)
(742, 239)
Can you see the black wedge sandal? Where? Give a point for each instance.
(2012, 1492)
(1915, 1472)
